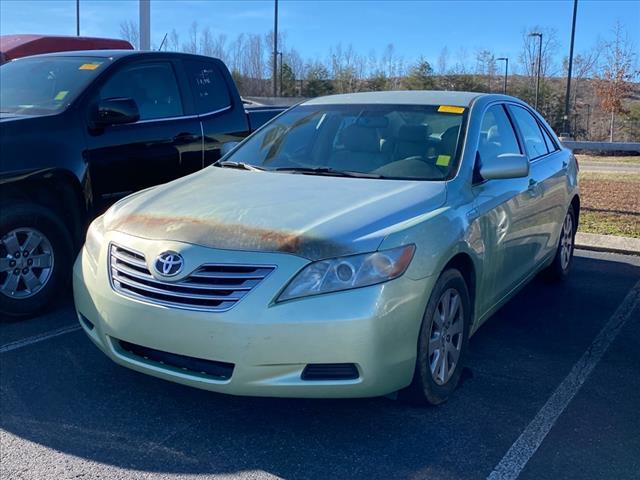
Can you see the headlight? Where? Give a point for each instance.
(93, 242)
(344, 273)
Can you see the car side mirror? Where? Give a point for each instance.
(506, 165)
(117, 111)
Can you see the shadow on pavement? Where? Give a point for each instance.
(65, 395)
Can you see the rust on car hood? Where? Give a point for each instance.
(311, 216)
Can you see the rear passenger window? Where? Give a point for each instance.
(209, 88)
(532, 135)
(551, 145)
(496, 134)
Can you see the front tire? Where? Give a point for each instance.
(442, 342)
(35, 258)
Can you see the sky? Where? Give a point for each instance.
(416, 28)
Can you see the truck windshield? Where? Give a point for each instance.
(361, 140)
(44, 85)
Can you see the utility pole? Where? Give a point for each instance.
(275, 49)
(145, 24)
(281, 65)
(566, 98)
(506, 73)
(77, 18)
(539, 35)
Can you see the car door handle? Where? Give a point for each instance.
(533, 187)
(184, 138)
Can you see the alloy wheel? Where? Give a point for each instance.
(566, 242)
(26, 263)
(445, 340)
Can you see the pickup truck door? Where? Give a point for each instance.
(503, 208)
(217, 104)
(164, 144)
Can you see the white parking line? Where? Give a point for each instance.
(38, 338)
(528, 442)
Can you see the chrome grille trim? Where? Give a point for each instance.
(211, 287)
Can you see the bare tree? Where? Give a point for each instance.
(529, 53)
(485, 66)
(614, 77)
(129, 31)
(443, 61)
(191, 46)
(173, 41)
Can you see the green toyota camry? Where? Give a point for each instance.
(349, 248)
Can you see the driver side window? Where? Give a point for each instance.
(496, 134)
(153, 86)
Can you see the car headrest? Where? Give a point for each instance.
(414, 133)
(493, 134)
(357, 138)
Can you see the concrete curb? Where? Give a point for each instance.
(608, 243)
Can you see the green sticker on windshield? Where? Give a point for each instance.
(443, 160)
(61, 94)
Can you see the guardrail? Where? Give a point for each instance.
(602, 146)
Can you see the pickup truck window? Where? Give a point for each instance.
(153, 86)
(209, 88)
(40, 86)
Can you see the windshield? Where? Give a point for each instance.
(43, 85)
(380, 141)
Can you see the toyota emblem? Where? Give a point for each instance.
(169, 264)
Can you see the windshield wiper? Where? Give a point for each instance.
(239, 165)
(327, 171)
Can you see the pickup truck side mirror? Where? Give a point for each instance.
(506, 165)
(117, 111)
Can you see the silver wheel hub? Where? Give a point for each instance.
(566, 242)
(26, 263)
(445, 339)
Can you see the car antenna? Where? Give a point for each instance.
(163, 40)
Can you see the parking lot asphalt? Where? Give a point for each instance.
(66, 411)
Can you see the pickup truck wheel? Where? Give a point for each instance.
(442, 342)
(35, 258)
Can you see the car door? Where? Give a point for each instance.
(164, 144)
(503, 207)
(547, 182)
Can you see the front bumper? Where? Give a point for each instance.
(376, 328)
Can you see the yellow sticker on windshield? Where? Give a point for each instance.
(89, 66)
(450, 109)
(61, 94)
(443, 160)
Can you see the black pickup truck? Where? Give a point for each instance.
(79, 130)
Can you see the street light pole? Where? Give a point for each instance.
(506, 73)
(78, 18)
(275, 49)
(539, 35)
(566, 98)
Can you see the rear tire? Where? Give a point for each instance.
(561, 265)
(444, 336)
(36, 252)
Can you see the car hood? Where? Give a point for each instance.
(308, 215)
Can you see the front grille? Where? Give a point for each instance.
(215, 288)
(330, 371)
(211, 368)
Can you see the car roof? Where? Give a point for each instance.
(409, 97)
